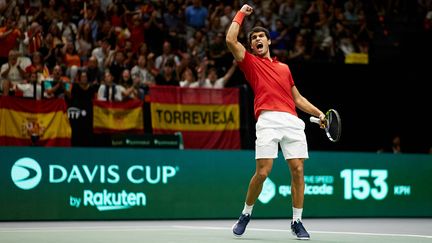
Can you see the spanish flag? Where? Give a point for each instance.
(34, 122)
(112, 117)
(207, 118)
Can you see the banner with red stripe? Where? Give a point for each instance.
(207, 118)
(34, 122)
(112, 117)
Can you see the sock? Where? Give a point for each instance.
(297, 214)
(247, 209)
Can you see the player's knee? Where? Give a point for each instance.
(297, 171)
(261, 176)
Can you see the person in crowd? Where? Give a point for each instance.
(168, 75)
(228, 15)
(189, 78)
(90, 14)
(167, 54)
(82, 88)
(280, 39)
(140, 70)
(84, 42)
(290, 14)
(81, 96)
(151, 60)
(52, 11)
(131, 86)
(215, 23)
(116, 63)
(32, 88)
(109, 90)
(33, 37)
(9, 35)
(214, 82)
(59, 86)
(72, 60)
(173, 22)
(218, 51)
(125, 78)
(68, 29)
(94, 73)
(102, 52)
(49, 51)
(198, 46)
(37, 65)
(12, 73)
(137, 31)
(196, 18)
(298, 52)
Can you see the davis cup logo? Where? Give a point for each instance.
(26, 173)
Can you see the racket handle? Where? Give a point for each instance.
(315, 120)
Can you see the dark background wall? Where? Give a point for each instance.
(376, 102)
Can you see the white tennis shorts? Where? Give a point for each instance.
(273, 128)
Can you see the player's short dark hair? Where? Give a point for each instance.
(257, 29)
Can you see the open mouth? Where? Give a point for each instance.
(259, 46)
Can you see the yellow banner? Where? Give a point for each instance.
(118, 118)
(195, 117)
(357, 58)
(23, 124)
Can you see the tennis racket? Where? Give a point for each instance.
(332, 126)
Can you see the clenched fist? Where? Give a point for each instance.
(246, 9)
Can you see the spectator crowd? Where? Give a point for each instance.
(114, 50)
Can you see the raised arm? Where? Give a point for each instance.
(236, 48)
(230, 72)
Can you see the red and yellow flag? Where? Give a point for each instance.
(111, 117)
(34, 122)
(207, 118)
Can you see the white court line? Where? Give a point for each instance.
(311, 231)
(178, 227)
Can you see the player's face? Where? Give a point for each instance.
(260, 44)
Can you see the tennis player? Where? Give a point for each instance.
(276, 100)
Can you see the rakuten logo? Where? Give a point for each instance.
(106, 200)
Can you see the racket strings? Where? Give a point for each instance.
(333, 126)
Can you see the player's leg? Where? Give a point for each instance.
(297, 184)
(297, 194)
(266, 149)
(263, 169)
(295, 150)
